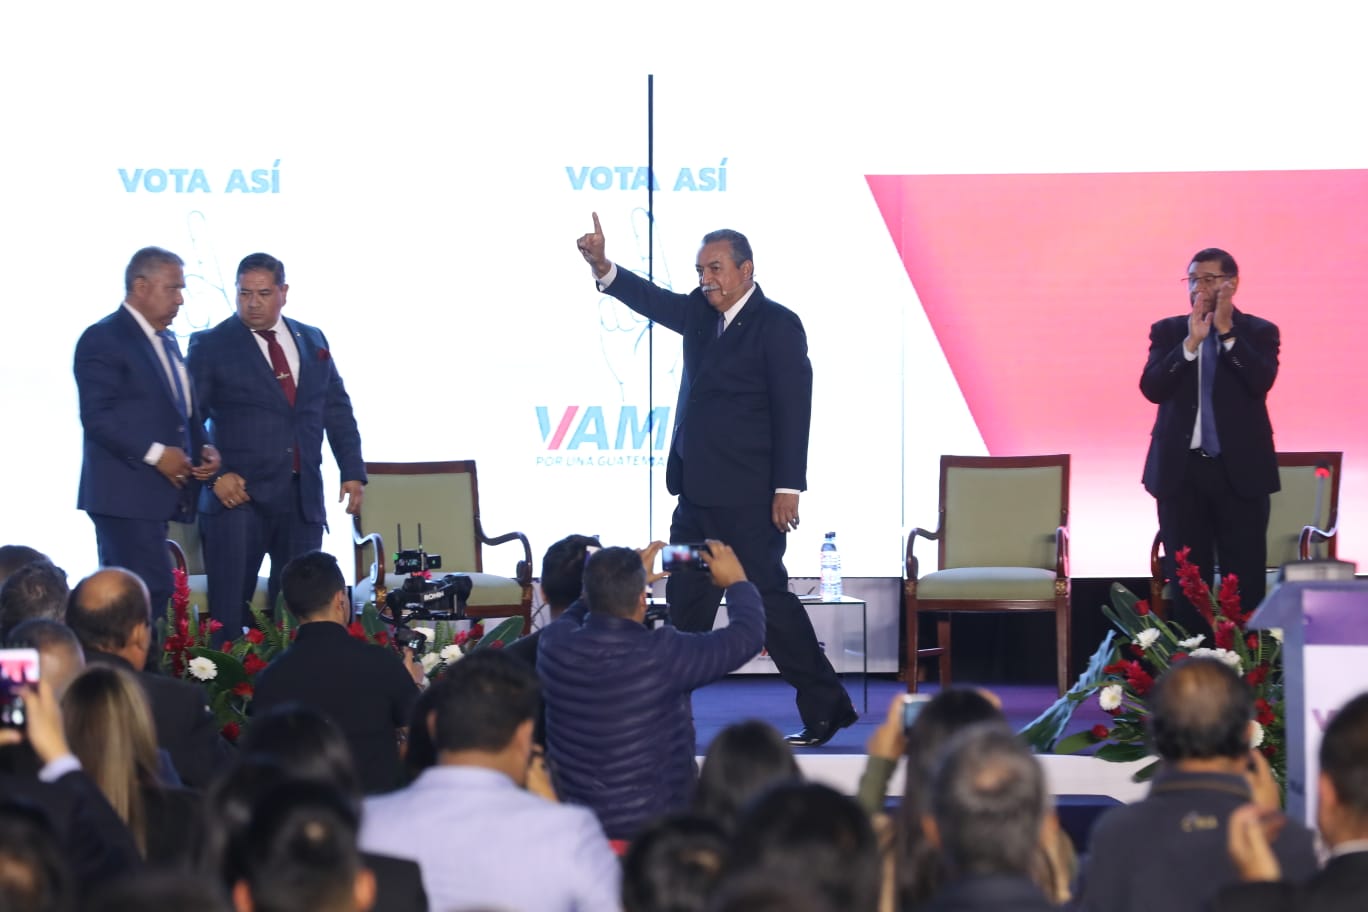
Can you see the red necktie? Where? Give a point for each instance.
(282, 375)
(279, 364)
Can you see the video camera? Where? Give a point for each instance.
(421, 596)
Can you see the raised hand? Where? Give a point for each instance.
(591, 247)
(1199, 321)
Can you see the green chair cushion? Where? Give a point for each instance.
(987, 583)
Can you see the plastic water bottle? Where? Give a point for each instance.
(831, 569)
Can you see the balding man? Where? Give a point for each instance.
(1169, 851)
(110, 614)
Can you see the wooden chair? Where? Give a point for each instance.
(1003, 546)
(187, 554)
(445, 498)
(1303, 520)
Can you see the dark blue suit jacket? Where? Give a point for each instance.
(745, 400)
(1244, 375)
(256, 429)
(127, 404)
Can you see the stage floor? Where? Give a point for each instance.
(840, 762)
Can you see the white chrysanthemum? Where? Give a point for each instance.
(1192, 642)
(1276, 633)
(1225, 655)
(430, 661)
(451, 653)
(1109, 697)
(1257, 736)
(1147, 637)
(203, 669)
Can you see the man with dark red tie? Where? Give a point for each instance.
(271, 390)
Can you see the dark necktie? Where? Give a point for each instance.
(721, 323)
(279, 364)
(173, 361)
(1211, 351)
(282, 375)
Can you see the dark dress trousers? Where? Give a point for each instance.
(1216, 506)
(127, 404)
(258, 434)
(361, 687)
(741, 431)
(186, 729)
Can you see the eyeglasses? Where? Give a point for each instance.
(1208, 280)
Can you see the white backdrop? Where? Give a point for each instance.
(427, 167)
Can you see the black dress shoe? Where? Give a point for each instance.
(819, 733)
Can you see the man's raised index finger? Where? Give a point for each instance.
(597, 228)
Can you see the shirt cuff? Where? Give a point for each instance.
(59, 767)
(607, 280)
(788, 491)
(1225, 346)
(1187, 355)
(154, 453)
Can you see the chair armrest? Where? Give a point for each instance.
(523, 573)
(911, 565)
(1311, 535)
(177, 555)
(359, 541)
(1062, 552)
(1156, 564)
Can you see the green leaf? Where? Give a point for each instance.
(230, 670)
(1075, 742)
(1043, 731)
(505, 633)
(1146, 773)
(1122, 753)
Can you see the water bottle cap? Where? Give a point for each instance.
(831, 535)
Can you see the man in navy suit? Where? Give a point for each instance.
(270, 390)
(1211, 462)
(141, 423)
(738, 459)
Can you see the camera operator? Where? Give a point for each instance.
(619, 725)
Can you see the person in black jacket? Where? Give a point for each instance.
(110, 613)
(366, 690)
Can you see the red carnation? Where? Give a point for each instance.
(1142, 607)
(1114, 712)
(356, 630)
(1257, 675)
(1115, 668)
(1139, 679)
(477, 630)
(1263, 712)
(243, 690)
(1252, 641)
(214, 625)
(231, 731)
(1225, 634)
(460, 638)
(1100, 732)
(255, 637)
(1268, 751)
(1136, 651)
(382, 637)
(253, 663)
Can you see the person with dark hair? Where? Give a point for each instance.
(368, 691)
(987, 817)
(298, 851)
(1169, 850)
(36, 590)
(474, 799)
(12, 557)
(738, 458)
(743, 760)
(271, 389)
(809, 834)
(1342, 817)
(164, 891)
(673, 865)
(34, 874)
(1211, 463)
(60, 655)
(109, 613)
(619, 722)
(145, 451)
(562, 581)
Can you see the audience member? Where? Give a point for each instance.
(110, 614)
(761, 893)
(742, 761)
(366, 690)
(1168, 851)
(38, 589)
(162, 891)
(473, 799)
(12, 557)
(562, 581)
(619, 724)
(60, 657)
(1341, 815)
(810, 835)
(109, 727)
(34, 875)
(673, 865)
(309, 748)
(298, 852)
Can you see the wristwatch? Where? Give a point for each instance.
(1227, 336)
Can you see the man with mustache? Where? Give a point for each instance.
(738, 459)
(1211, 463)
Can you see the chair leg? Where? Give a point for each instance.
(910, 622)
(1063, 644)
(943, 641)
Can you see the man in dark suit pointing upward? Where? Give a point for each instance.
(738, 459)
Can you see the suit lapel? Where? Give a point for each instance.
(138, 340)
(719, 348)
(246, 342)
(308, 357)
